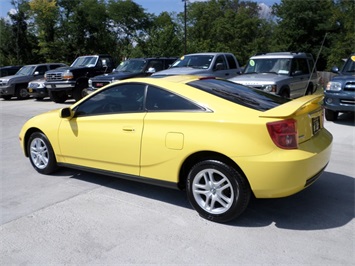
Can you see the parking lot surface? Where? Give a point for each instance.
(81, 218)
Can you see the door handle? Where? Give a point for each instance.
(128, 129)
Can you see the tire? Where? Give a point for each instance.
(58, 96)
(22, 93)
(78, 93)
(217, 191)
(284, 94)
(39, 98)
(331, 115)
(6, 97)
(41, 154)
(309, 90)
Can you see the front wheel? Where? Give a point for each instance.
(22, 93)
(331, 115)
(41, 154)
(217, 191)
(58, 96)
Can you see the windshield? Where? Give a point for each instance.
(132, 66)
(268, 65)
(239, 94)
(26, 71)
(349, 65)
(87, 61)
(194, 61)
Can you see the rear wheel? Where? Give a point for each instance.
(217, 191)
(41, 153)
(331, 115)
(58, 96)
(6, 97)
(309, 90)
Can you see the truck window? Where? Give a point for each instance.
(231, 62)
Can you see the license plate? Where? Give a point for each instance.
(315, 124)
(99, 84)
(30, 90)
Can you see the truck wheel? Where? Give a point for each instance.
(284, 94)
(331, 115)
(6, 97)
(22, 93)
(309, 90)
(58, 96)
(78, 93)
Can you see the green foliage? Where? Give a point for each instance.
(61, 30)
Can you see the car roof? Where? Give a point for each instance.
(208, 53)
(46, 64)
(282, 55)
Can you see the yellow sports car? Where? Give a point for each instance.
(219, 140)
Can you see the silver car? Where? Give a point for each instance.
(290, 75)
(222, 65)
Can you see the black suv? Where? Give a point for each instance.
(339, 95)
(135, 67)
(71, 81)
(16, 85)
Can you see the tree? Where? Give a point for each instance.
(45, 14)
(305, 31)
(128, 23)
(161, 38)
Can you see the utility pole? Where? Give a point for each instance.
(185, 28)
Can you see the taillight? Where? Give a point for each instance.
(284, 133)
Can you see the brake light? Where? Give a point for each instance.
(284, 133)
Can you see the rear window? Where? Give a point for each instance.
(239, 94)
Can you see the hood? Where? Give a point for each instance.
(258, 79)
(18, 78)
(344, 78)
(116, 76)
(180, 71)
(64, 69)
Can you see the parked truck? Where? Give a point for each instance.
(71, 81)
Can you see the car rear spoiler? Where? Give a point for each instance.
(291, 107)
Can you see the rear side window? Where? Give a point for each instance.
(231, 61)
(162, 100)
(239, 94)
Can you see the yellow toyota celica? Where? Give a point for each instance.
(218, 140)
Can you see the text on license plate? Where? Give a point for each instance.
(99, 84)
(315, 124)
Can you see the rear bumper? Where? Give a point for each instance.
(282, 173)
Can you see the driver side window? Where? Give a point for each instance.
(123, 98)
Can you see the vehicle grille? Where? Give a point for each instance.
(347, 101)
(99, 84)
(54, 76)
(349, 86)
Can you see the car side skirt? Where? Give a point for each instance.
(140, 179)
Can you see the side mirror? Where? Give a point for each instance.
(335, 69)
(66, 112)
(151, 70)
(219, 66)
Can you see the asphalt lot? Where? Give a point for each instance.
(83, 219)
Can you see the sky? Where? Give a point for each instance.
(151, 6)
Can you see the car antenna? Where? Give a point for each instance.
(315, 63)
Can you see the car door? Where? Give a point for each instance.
(105, 132)
(300, 76)
(221, 69)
